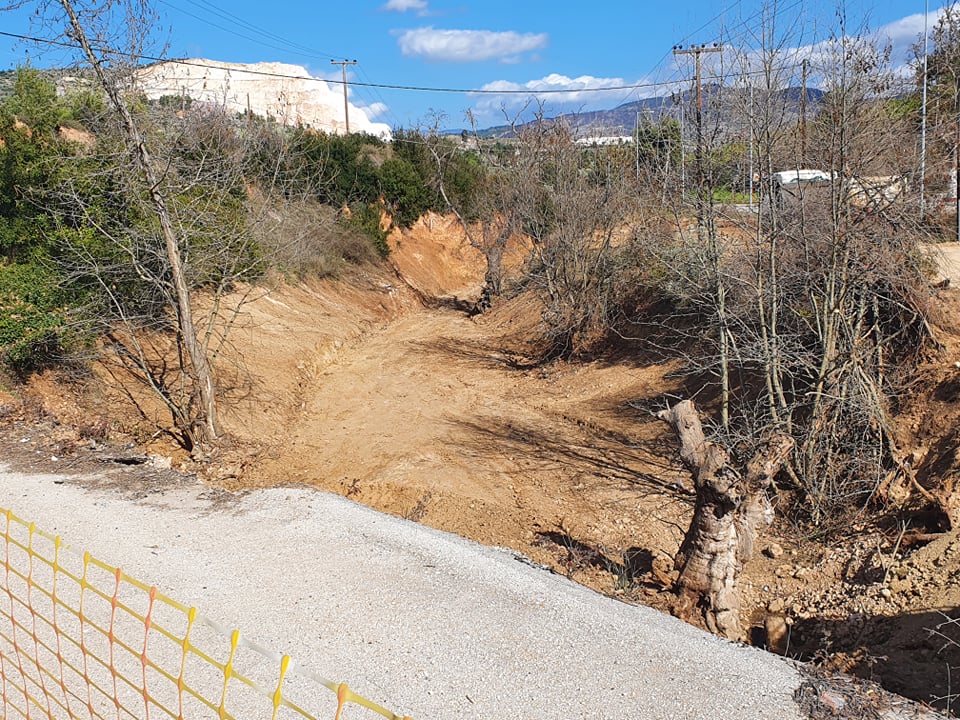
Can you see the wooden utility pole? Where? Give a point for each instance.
(346, 105)
(697, 51)
(706, 228)
(804, 69)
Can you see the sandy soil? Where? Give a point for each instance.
(426, 413)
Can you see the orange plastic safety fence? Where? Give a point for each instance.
(82, 640)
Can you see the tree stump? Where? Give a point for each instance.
(731, 507)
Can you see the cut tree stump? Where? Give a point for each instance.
(731, 507)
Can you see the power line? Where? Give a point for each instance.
(374, 85)
(230, 17)
(235, 33)
(381, 86)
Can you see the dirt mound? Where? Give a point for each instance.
(436, 260)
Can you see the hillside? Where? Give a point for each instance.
(286, 93)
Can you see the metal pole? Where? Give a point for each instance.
(923, 117)
(346, 105)
(751, 145)
(683, 150)
(804, 67)
(636, 145)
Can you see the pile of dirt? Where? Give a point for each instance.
(357, 387)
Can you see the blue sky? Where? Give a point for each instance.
(520, 45)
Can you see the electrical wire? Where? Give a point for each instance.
(381, 86)
(235, 33)
(230, 17)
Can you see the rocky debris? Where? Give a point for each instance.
(872, 607)
(773, 550)
(829, 696)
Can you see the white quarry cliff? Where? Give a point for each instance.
(284, 92)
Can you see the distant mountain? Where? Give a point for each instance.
(621, 120)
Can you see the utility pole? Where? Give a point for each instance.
(346, 105)
(804, 67)
(707, 233)
(677, 99)
(636, 146)
(923, 116)
(697, 51)
(750, 171)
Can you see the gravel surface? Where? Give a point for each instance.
(424, 622)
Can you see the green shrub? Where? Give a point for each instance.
(404, 190)
(365, 217)
(34, 307)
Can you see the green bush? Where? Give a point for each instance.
(365, 217)
(404, 190)
(34, 307)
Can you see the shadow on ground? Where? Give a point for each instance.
(916, 655)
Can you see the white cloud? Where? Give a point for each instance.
(468, 45)
(560, 88)
(905, 33)
(557, 93)
(404, 5)
(375, 110)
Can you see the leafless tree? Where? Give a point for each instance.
(810, 310)
(169, 218)
(577, 206)
(488, 214)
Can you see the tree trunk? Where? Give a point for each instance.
(205, 427)
(730, 509)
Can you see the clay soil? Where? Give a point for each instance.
(378, 386)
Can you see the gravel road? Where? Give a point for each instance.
(424, 622)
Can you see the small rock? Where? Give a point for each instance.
(834, 701)
(161, 462)
(776, 628)
(776, 606)
(900, 587)
(773, 550)
(886, 593)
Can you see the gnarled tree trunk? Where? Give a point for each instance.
(730, 509)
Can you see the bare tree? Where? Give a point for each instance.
(815, 305)
(205, 425)
(111, 239)
(488, 212)
(155, 211)
(577, 206)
